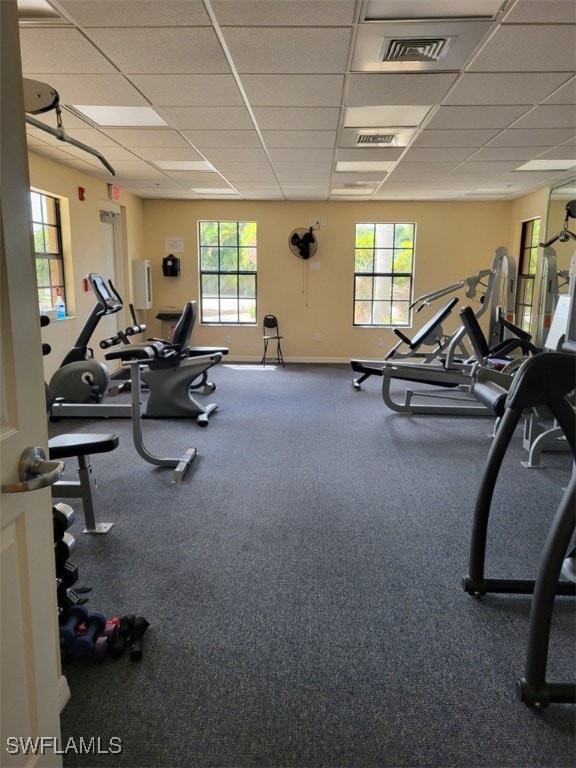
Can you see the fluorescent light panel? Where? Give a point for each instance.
(202, 191)
(380, 116)
(363, 166)
(120, 116)
(183, 165)
(380, 10)
(548, 165)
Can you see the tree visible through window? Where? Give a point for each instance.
(383, 269)
(228, 259)
(47, 233)
(527, 263)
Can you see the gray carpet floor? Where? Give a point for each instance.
(303, 586)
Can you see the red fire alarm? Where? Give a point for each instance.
(81, 194)
(113, 192)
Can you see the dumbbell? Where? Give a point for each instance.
(125, 626)
(62, 518)
(75, 615)
(63, 548)
(136, 638)
(91, 643)
(110, 631)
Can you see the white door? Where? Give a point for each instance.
(32, 687)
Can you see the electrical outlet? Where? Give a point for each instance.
(380, 341)
(317, 337)
(227, 339)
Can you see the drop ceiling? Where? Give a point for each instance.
(282, 99)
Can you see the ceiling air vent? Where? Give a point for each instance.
(427, 49)
(376, 139)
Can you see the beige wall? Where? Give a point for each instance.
(82, 245)
(453, 240)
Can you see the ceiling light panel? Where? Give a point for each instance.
(377, 10)
(426, 46)
(183, 165)
(363, 166)
(548, 165)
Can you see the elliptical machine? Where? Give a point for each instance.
(80, 378)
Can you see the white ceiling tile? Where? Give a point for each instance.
(240, 154)
(505, 88)
(148, 13)
(92, 137)
(101, 89)
(204, 139)
(189, 90)
(503, 153)
(407, 88)
(301, 154)
(523, 48)
(454, 138)
(290, 13)
(553, 116)
(191, 117)
(297, 170)
(564, 95)
(167, 153)
(293, 90)
(137, 169)
(149, 137)
(299, 138)
(370, 153)
(538, 12)
(162, 50)
(424, 154)
(543, 137)
(475, 117)
(284, 118)
(286, 50)
(491, 168)
(62, 50)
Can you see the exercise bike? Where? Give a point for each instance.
(81, 384)
(81, 379)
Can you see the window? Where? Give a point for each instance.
(47, 232)
(383, 268)
(527, 262)
(228, 271)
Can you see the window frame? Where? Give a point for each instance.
(228, 274)
(392, 274)
(48, 224)
(527, 267)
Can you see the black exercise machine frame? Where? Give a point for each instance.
(545, 379)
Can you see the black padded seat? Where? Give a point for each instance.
(82, 445)
(64, 446)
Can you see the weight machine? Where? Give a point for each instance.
(496, 287)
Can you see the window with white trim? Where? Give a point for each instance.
(228, 271)
(383, 273)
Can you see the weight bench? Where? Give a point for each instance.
(81, 445)
(421, 337)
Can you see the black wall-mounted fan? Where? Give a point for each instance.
(303, 243)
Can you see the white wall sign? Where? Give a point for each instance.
(174, 244)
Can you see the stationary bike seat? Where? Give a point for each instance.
(81, 444)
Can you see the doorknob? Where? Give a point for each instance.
(34, 472)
